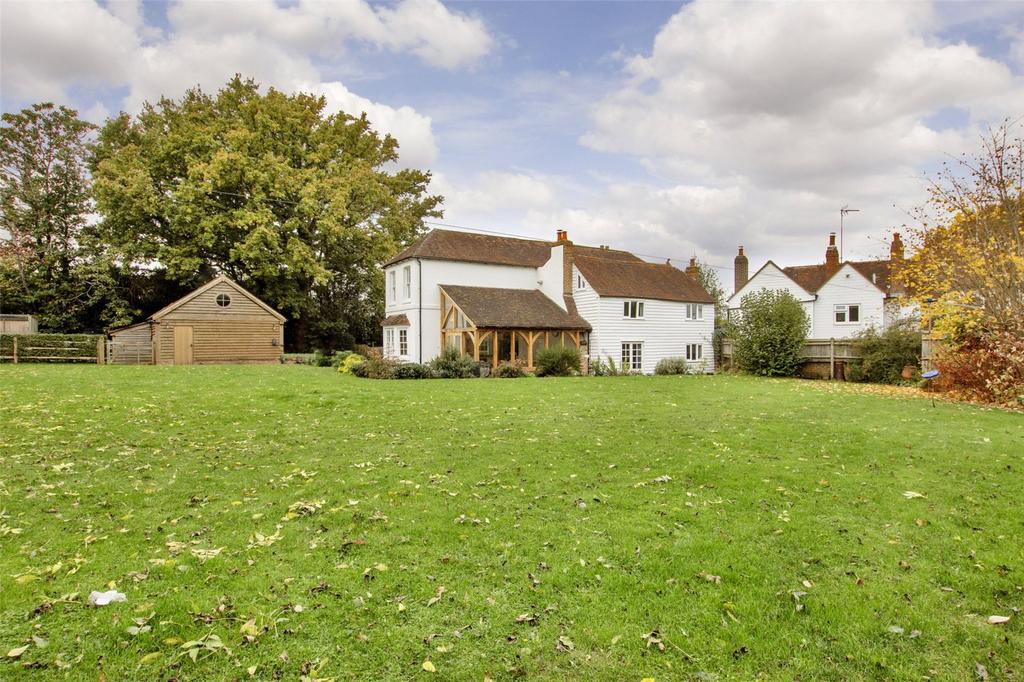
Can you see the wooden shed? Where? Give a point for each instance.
(18, 324)
(218, 323)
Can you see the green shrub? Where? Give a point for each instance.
(770, 333)
(672, 366)
(450, 364)
(509, 370)
(413, 370)
(883, 356)
(608, 368)
(322, 358)
(338, 358)
(350, 362)
(557, 361)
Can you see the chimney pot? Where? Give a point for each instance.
(692, 268)
(562, 236)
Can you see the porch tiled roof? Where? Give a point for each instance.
(399, 320)
(638, 279)
(494, 307)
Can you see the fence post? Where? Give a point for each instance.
(831, 359)
(99, 351)
(14, 351)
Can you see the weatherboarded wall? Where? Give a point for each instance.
(241, 332)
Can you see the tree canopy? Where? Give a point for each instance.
(297, 204)
(49, 265)
(967, 272)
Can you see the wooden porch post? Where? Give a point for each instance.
(476, 345)
(530, 338)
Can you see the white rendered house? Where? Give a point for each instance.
(502, 299)
(840, 299)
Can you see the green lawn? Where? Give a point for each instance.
(614, 528)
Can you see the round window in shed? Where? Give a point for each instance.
(223, 300)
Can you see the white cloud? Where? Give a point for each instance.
(417, 146)
(51, 49)
(426, 28)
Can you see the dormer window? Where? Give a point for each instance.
(633, 310)
(580, 282)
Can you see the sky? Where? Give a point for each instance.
(670, 129)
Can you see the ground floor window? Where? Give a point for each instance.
(389, 341)
(694, 351)
(403, 342)
(632, 355)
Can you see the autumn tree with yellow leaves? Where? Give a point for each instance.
(967, 270)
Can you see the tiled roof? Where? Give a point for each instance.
(513, 308)
(477, 248)
(812, 277)
(638, 279)
(399, 320)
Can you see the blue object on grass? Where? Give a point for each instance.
(930, 374)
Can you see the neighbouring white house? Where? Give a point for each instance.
(501, 299)
(841, 299)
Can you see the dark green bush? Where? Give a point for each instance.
(450, 364)
(770, 333)
(413, 370)
(608, 368)
(883, 356)
(557, 361)
(672, 366)
(508, 370)
(322, 358)
(338, 358)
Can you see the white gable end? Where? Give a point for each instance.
(771, 277)
(832, 309)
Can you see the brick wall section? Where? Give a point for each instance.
(567, 262)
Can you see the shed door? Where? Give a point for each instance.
(183, 345)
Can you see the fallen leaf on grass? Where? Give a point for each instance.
(998, 620)
(653, 638)
(150, 658)
(429, 667)
(16, 653)
(564, 644)
(911, 495)
(716, 579)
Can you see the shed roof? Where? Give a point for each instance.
(512, 308)
(219, 279)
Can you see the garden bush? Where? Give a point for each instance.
(883, 356)
(413, 370)
(338, 358)
(557, 361)
(988, 366)
(509, 370)
(50, 347)
(375, 366)
(672, 366)
(351, 361)
(322, 358)
(770, 333)
(451, 364)
(608, 368)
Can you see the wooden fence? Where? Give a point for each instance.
(52, 348)
(837, 352)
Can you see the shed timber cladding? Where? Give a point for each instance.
(489, 307)
(246, 330)
(622, 278)
(132, 345)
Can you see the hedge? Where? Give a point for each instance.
(50, 347)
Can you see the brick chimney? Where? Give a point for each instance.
(896, 247)
(692, 270)
(562, 239)
(742, 271)
(831, 255)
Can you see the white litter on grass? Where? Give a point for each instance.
(104, 598)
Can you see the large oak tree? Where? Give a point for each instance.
(296, 204)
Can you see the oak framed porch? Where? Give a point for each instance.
(494, 345)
